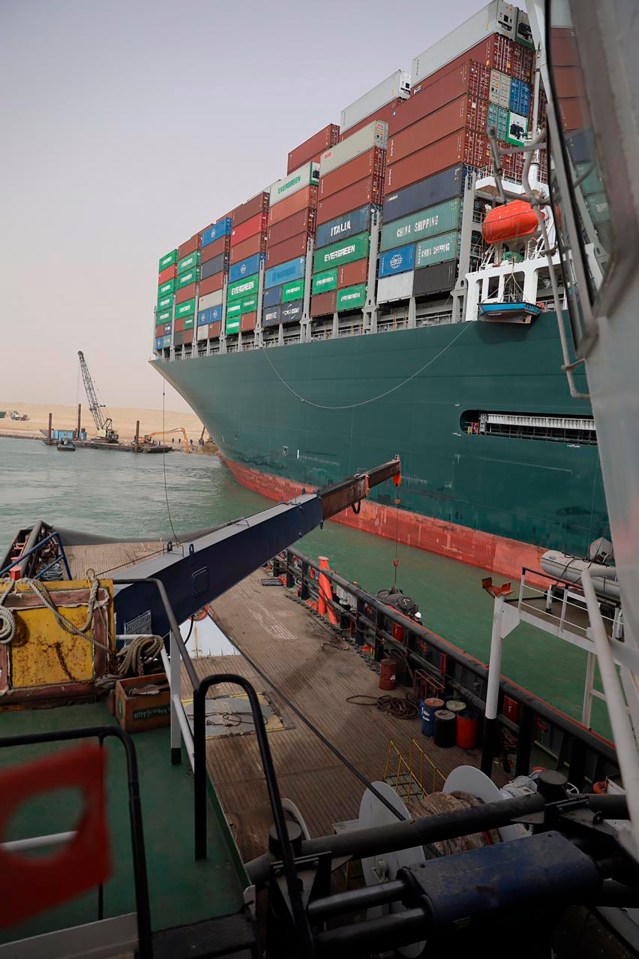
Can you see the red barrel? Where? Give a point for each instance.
(467, 729)
(387, 674)
(399, 633)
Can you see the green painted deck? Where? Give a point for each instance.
(181, 890)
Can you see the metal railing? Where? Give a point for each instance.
(539, 727)
(52, 537)
(195, 743)
(143, 909)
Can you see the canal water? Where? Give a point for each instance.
(119, 494)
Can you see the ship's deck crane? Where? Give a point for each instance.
(103, 424)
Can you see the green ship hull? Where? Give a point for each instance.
(310, 413)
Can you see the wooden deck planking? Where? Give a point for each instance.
(303, 658)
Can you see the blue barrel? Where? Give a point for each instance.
(428, 709)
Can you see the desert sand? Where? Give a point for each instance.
(124, 418)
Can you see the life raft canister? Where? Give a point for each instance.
(511, 221)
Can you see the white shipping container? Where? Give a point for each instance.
(497, 17)
(373, 135)
(211, 299)
(398, 287)
(499, 89)
(202, 332)
(307, 175)
(397, 86)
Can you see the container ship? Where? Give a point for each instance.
(359, 308)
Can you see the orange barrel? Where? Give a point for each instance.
(387, 674)
(444, 733)
(428, 709)
(467, 729)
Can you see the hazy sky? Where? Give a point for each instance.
(128, 125)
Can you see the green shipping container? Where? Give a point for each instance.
(164, 317)
(167, 260)
(168, 287)
(324, 282)
(248, 305)
(187, 278)
(165, 302)
(233, 313)
(185, 309)
(355, 248)
(293, 291)
(417, 226)
(437, 250)
(193, 259)
(352, 298)
(597, 206)
(243, 287)
(188, 323)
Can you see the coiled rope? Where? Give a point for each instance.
(137, 654)
(8, 622)
(396, 706)
(373, 399)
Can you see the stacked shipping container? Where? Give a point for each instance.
(247, 251)
(351, 185)
(408, 149)
(214, 264)
(293, 203)
(433, 137)
(167, 273)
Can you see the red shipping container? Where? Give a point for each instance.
(352, 273)
(574, 113)
(465, 112)
(465, 146)
(212, 284)
(569, 82)
(303, 199)
(247, 323)
(215, 330)
(384, 113)
(323, 303)
(471, 77)
(371, 163)
(359, 194)
(214, 249)
(255, 244)
(169, 274)
(190, 246)
(257, 224)
(187, 336)
(246, 211)
(563, 48)
(186, 293)
(302, 222)
(313, 148)
(178, 326)
(288, 250)
(495, 52)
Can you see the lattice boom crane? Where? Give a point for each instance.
(103, 425)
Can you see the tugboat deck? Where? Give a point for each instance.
(309, 665)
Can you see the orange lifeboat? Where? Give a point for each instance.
(512, 221)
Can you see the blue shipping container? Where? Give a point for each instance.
(293, 270)
(434, 189)
(271, 316)
(520, 97)
(349, 224)
(158, 342)
(246, 267)
(400, 260)
(212, 315)
(291, 312)
(216, 230)
(273, 296)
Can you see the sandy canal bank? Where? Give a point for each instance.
(124, 419)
